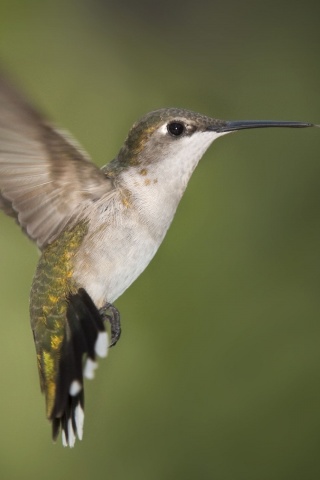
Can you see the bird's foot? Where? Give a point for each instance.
(111, 314)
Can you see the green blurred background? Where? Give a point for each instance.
(216, 375)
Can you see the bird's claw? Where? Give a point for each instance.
(111, 314)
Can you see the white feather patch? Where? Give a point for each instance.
(79, 419)
(64, 440)
(89, 368)
(101, 345)
(71, 435)
(75, 388)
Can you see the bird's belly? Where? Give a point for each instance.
(108, 262)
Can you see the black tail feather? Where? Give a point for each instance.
(83, 326)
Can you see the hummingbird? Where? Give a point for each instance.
(97, 229)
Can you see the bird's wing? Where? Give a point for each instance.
(44, 174)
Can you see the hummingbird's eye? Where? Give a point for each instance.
(176, 128)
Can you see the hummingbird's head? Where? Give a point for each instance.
(180, 133)
(160, 153)
(169, 132)
(168, 144)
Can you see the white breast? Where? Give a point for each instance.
(127, 228)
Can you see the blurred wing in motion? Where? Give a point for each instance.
(44, 174)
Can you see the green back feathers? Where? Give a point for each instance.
(51, 285)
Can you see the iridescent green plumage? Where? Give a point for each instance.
(51, 286)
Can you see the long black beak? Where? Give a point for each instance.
(231, 126)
